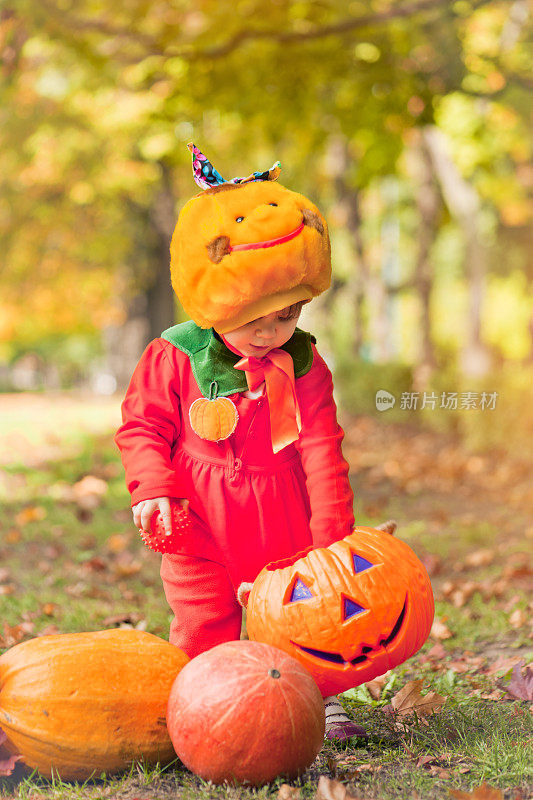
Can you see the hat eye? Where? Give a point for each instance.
(239, 219)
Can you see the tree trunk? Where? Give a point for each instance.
(348, 201)
(428, 204)
(464, 204)
(160, 297)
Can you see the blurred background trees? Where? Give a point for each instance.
(408, 123)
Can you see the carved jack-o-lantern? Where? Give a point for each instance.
(347, 612)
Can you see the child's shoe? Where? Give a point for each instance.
(339, 726)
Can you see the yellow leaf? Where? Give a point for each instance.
(483, 792)
(410, 700)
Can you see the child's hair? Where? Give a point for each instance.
(291, 312)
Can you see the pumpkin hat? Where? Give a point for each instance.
(245, 248)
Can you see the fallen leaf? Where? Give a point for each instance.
(439, 772)
(436, 652)
(288, 792)
(5, 575)
(30, 514)
(7, 588)
(483, 792)
(89, 492)
(439, 630)
(494, 695)
(117, 543)
(518, 618)
(126, 566)
(375, 686)
(424, 761)
(14, 635)
(520, 687)
(329, 789)
(95, 564)
(49, 609)
(480, 558)
(457, 666)
(503, 664)
(409, 700)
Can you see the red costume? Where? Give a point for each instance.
(249, 506)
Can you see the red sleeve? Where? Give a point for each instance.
(319, 445)
(150, 426)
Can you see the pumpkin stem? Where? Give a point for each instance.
(388, 527)
(243, 593)
(213, 392)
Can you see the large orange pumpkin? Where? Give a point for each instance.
(245, 712)
(239, 252)
(347, 612)
(83, 703)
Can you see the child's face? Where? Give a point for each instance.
(258, 337)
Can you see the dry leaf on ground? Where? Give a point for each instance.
(520, 687)
(30, 514)
(410, 700)
(483, 792)
(503, 664)
(89, 492)
(518, 618)
(329, 789)
(14, 635)
(480, 558)
(439, 630)
(375, 687)
(288, 792)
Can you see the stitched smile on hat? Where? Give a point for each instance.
(221, 246)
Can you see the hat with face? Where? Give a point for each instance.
(245, 248)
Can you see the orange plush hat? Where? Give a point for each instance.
(245, 248)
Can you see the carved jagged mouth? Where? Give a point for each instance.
(336, 658)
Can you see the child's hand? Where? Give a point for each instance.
(143, 512)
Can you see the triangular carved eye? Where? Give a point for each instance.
(351, 608)
(300, 591)
(360, 563)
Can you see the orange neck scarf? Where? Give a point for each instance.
(276, 369)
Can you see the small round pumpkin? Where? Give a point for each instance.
(78, 704)
(213, 418)
(347, 612)
(245, 712)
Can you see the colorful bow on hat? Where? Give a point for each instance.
(207, 176)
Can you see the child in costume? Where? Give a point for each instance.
(269, 478)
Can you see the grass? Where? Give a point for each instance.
(70, 568)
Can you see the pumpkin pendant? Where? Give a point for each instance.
(213, 418)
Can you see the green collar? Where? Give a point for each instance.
(211, 361)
